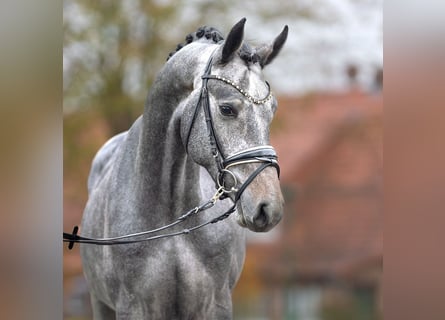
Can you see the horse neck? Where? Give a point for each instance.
(168, 175)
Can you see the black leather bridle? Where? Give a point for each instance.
(261, 154)
(265, 155)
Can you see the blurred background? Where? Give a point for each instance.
(324, 260)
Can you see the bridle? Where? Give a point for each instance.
(261, 154)
(265, 155)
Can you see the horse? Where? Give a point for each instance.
(203, 134)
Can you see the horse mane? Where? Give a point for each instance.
(213, 35)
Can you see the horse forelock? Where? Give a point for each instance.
(248, 54)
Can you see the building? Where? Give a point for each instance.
(325, 262)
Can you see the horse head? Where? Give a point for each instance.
(240, 110)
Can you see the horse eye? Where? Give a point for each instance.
(227, 111)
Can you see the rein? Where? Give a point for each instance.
(265, 155)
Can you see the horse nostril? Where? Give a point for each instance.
(261, 219)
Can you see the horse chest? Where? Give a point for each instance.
(199, 264)
(186, 278)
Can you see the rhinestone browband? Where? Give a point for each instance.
(243, 92)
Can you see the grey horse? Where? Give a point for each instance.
(163, 166)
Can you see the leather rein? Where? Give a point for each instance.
(265, 155)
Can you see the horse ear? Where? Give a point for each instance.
(269, 52)
(233, 41)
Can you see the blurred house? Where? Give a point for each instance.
(326, 261)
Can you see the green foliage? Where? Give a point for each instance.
(361, 306)
(102, 39)
(112, 52)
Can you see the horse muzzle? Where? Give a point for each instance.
(261, 205)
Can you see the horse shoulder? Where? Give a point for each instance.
(103, 159)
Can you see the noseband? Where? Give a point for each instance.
(265, 155)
